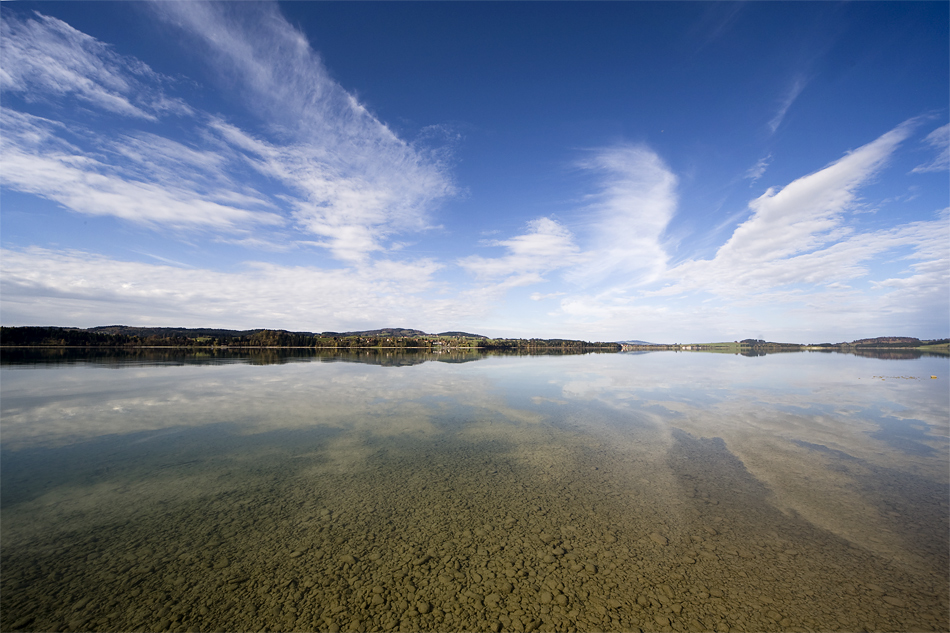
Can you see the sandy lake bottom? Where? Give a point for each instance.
(332, 496)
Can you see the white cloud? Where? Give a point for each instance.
(537, 296)
(83, 289)
(340, 173)
(354, 182)
(755, 172)
(623, 224)
(939, 139)
(796, 266)
(44, 56)
(353, 212)
(545, 247)
(626, 218)
(796, 235)
(795, 89)
(924, 289)
(35, 159)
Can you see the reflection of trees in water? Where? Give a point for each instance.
(884, 354)
(106, 356)
(396, 359)
(892, 354)
(216, 356)
(183, 356)
(118, 356)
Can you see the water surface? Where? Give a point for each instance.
(662, 491)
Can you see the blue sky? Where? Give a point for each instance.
(658, 171)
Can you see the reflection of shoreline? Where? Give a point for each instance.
(135, 356)
(896, 354)
(873, 352)
(119, 357)
(895, 347)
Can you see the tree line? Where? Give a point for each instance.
(129, 337)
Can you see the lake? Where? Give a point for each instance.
(287, 490)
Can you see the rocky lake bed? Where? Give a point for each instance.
(492, 521)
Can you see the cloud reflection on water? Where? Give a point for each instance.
(814, 428)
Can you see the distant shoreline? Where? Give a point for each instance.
(940, 346)
(401, 339)
(390, 338)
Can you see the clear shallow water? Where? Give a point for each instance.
(655, 491)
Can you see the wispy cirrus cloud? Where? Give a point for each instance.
(352, 181)
(798, 234)
(756, 171)
(794, 89)
(352, 212)
(43, 56)
(939, 140)
(619, 243)
(633, 201)
(118, 170)
(35, 158)
(546, 246)
(318, 164)
(537, 296)
(795, 265)
(924, 287)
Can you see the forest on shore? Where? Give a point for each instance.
(122, 336)
(393, 338)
